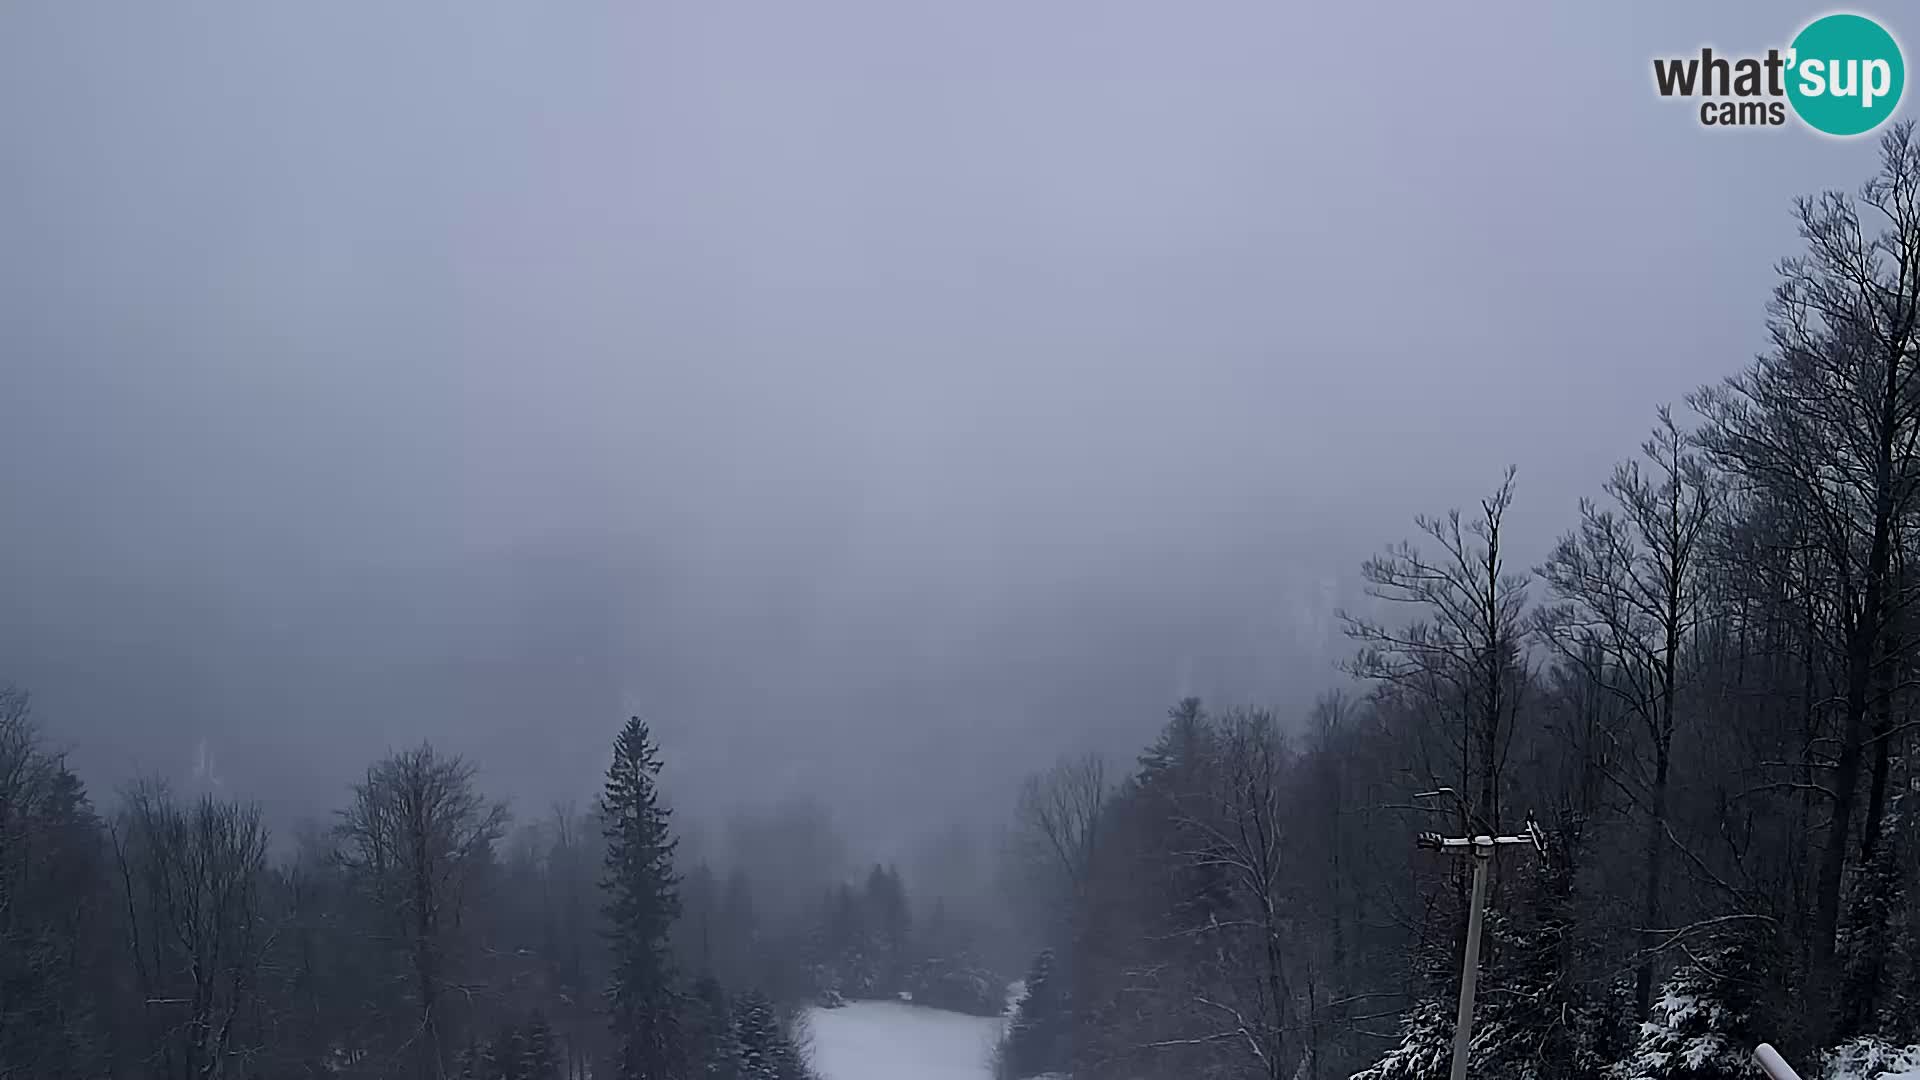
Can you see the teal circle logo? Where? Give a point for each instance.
(1846, 75)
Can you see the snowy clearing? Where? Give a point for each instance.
(890, 1040)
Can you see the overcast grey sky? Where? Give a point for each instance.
(879, 396)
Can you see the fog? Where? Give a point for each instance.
(879, 398)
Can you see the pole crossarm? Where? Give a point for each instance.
(1462, 844)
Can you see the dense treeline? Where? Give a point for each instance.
(421, 935)
(867, 946)
(1705, 692)
(417, 936)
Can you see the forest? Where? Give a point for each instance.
(1703, 694)
(422, 935)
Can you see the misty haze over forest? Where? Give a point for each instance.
(849, 391)
(912, 415)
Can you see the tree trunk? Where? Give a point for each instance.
(1882, 740)
(1861, 650)
(1276, 990)
(1823, 977)
(1877, 785)
(1809, 730)
(1656, 849)
(428, 1034)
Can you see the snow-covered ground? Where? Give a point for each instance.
(892, 1040)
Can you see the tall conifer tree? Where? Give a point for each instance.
(642, 902)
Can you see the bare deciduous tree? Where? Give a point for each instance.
(416, 837)
(1059, 813)
(1464, 654)
(1633, 591)
(1237, 829)
(190, 879)
(1828, 420)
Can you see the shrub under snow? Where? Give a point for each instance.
(1871, 1058)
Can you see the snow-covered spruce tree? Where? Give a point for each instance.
(1704, 1021)
(1426, 1045)
(767, 1052)
(642, 902)
(1901, 1008)
(1538, 1023)
(1869, 1057)
(1146, 946)
(738, 944)
(472, 1064)
(542, 1058)
(696, 930)
(510, 1055)
(829, 941)
(1532, 1019)
(1511, 1041)
(1039, 1040)
(1873, 902)
(858, 962)
(1880, 988)
(1899, 1000)
(1541, 1022)
(1425, 1051)
(958, 984)
(524, 1052)
(843, 948)
(889, 926)
(710, 1034)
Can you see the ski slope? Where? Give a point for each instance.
(892, 1040)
